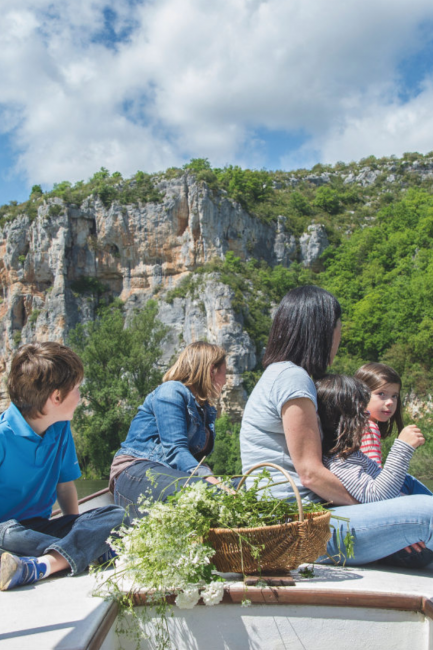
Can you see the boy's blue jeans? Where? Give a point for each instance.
(80, 539)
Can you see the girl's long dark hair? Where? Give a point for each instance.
(376, 375)
(303, 329)
(342, 403)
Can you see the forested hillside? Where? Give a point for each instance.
(376, 218)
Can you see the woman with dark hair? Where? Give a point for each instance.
(280, 425)
(280, 422)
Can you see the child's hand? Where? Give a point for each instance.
(412, 435)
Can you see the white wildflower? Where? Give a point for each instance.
(187, 598)
(246, 603)
(213, 593)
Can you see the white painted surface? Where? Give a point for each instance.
(103, 500)
(290, 627)
(62, 614)
(55, 613)
(297, 627)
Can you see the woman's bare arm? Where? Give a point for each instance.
(305, 449)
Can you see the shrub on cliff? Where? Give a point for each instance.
(120, 370)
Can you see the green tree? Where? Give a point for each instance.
(328, 200)
(300, 204)
(36, 190)
(226, 456)
(120, 370)
(247, 186)
(198, 165)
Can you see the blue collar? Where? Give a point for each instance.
(18, 424)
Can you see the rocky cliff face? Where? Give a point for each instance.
(53, 268)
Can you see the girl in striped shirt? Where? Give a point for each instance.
(342, 408)
(384, 407)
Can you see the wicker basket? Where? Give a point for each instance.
(285, 546)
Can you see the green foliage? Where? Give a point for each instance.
(22, 258)
(141, 189)
(102, 175)
(328, 200)
(17, 338)
(256, 286)
(198, 165)
(55, 210)
(173, 172)
(383, 275)
(87, 284)
(167, 552)
(107, 194)
(226, 456)
(36, 190)
(34, 316)
(299, 203)
(120, 370)
(246, 186)
(109, 188)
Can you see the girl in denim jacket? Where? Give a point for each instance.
(173, 429)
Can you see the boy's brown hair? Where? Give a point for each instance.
(37, 370)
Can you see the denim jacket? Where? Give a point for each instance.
(170, 429)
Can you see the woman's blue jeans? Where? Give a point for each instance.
(133, 483)
(382, 530)
(80, 539)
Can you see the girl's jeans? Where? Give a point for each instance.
(80, 539)
(411, 485)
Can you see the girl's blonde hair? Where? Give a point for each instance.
(193, 368)
(376, 375)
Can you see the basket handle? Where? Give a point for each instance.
(288, 477)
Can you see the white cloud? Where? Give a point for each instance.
(197, 79)
(383, 130)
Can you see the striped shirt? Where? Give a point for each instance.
(365, 480)
(370, 443)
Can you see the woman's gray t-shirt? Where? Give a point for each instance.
(262, 435)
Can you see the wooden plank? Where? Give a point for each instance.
(103, 628)
(325, 597)
(270, 581)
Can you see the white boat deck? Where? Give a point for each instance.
(61, 613)
(338, 608)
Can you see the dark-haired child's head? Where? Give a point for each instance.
(380, 377)
(37, 371)
(342, 403)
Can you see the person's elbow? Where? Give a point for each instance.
(309, 477)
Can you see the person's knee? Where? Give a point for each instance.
(8, 526)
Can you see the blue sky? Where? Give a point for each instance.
(279, 84)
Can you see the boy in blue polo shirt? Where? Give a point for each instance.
(38, 464)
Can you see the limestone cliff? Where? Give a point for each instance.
(53, 268)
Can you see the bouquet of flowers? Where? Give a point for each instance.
(166, 554)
